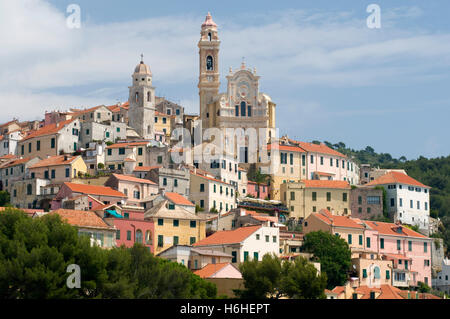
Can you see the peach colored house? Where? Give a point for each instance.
(408, 251)
(104, 194)
(136, 189)
(59, 169)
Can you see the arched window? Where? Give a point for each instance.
(136, 97)
(139, 236)
(148, 237)
(236, 110)
(249, 113)
(209, 63)
(243, 107)
(149, 96)
(209, 36)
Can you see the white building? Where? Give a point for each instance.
(442, 281)
(407, 199)
(244, 243)
(8, 142)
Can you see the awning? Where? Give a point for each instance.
(114, 213)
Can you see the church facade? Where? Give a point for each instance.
(242, 105)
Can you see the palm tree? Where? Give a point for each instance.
(260, 178)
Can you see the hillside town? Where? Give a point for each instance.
(218, 188)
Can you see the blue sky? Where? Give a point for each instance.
(332, 77)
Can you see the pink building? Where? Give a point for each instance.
(409, 251)
(136, 189)
(130, 224)
(252, 189)
(104, 194)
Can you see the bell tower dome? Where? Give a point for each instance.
(142, 101)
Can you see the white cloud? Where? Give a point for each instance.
(292, 48)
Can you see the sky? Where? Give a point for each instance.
(331, 77)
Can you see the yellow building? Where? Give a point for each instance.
(59, 169)
(309, 196)
(174, 225)
(290, 168)
(164, 123)
(51, 140)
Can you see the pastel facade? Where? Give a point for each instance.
(309, 196)
(366, 202)
(102, 132)
(442, 280)
(59, 169)
(15, 169)
(244, 243)
(9, 141)
(174, 225)
(408, 200)
(253, 189)
(117, 153)
(51, 140)
(136, 189)
(208, 193)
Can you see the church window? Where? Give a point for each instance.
(236, 110)
(209, 63)
(209, 36)
(243, 106)
(149, 96)
(249, 113)
(137, 96)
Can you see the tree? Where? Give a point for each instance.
(35, 253)
(333, 254)
(423, 287)
(4, 198)
(273, 278)
(261, 278)
(300, 280)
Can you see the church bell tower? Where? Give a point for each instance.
(208, 82)
(141, 115)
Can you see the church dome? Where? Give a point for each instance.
(209, 21)
(142, 68)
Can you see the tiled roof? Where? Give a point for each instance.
(16, 162)
(313, 183)
(386, 292)
(81, 218)
(324, 174)
(162, 211)
(128, 144)
(210, 252)
(94, 190)
(395, 178)
(288, 148)
(228, 236)
(55, 160)
(129, 178)
(48, 129)
(209, 178)
(145, 168)
(81, 112)
(317, 148)
(210, 269)
(338, 221)
(391, 229)
(178, 199)
(8, 156)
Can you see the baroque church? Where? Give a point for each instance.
(243, 105)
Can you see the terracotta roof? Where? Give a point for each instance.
(391, 229)
(16, 162)
(317, 148)
(145, 168)
(8, 156)
(228, 236)
(81, 112)
(161, 210)
(55, 160)
(288, 148)
(48, 129)
(386, 292)
(128, 144)
(338, 221)
(81, 218)
(313, 183)
(94, 190)
(178, 199)
(210, 270)
(209, 178)
(396, 178)
(130, 178)
(324, 174)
